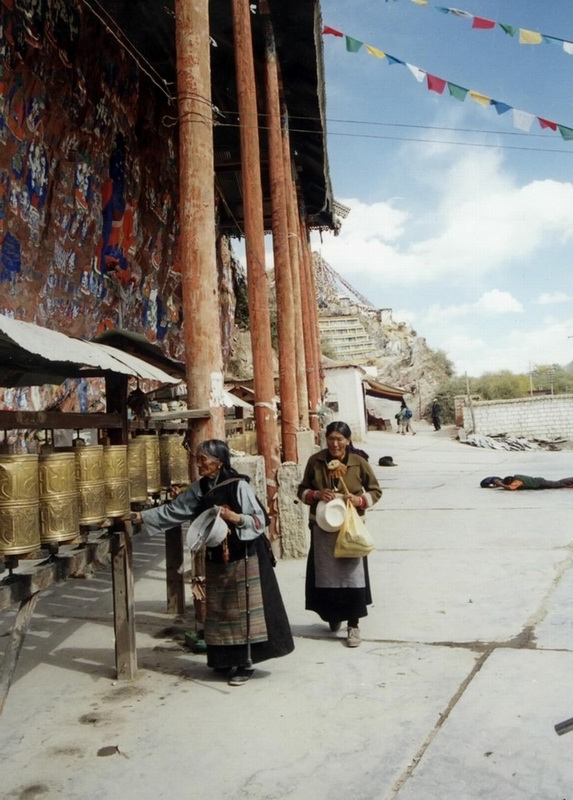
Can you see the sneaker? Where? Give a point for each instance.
(353, 637)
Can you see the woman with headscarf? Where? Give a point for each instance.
(269, 635)
(337, 589)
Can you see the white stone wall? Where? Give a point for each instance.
(344, 386)
(550, 416)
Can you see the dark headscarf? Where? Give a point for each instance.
(217, 448)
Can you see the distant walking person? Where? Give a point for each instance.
(436, 414)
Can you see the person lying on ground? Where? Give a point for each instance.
(514, 482)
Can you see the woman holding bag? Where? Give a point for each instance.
(337, 589)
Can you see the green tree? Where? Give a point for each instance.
(440, 362)
(503, 385)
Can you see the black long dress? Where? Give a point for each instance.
(220, 562)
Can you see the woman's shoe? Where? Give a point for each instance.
(353, 639)
(240, 676)
(335, 626)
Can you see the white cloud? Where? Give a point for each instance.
(490, 303)
(478, 221)
(515, 349)
(548, 298)
(496, 302)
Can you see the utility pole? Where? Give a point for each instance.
(470, 403)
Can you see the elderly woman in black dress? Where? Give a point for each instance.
(221, 486)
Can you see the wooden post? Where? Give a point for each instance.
(116, 387)
(283, 280)
(174, 571)
(17, 635)
(122, 561)
(123, 606)
(197, 240)
(317, 326)
(294, 251)
(309, 330)
(257, 280)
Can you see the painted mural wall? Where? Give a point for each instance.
(88, 181)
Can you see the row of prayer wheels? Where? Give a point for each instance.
(44, 499)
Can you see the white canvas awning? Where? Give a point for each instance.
(31, 355)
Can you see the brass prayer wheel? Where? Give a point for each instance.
(152, 462)
(19, 504)
(116, 480)
(59, 501)
(90, 483)
(173, 460)
(136, 468)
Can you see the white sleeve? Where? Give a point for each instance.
(254, 519)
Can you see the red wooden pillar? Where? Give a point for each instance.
(309, 330)
(197, 247)
(257, 281)
(294, 251)
(283, 282)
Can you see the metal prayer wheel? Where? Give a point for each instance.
(90, 483)
(152, 462)
(59, 502)
(173, 462)
(19, 504)
(137, 470)
(116, 480)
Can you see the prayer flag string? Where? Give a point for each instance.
(524, 36)
(522, 120)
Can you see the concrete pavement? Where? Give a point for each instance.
(465, 667)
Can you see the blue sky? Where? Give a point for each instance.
(459, 222)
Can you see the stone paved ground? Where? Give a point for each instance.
(465, 667)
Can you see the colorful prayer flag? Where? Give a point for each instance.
(435, 84)
(457, 91)
(483, 24)
(501, 108)
(529, 37)
(566, 133)
(374, 51)
(511, 30)
(482, 99)
(353, 45)
(522, 120)
(418, 73)
(332, 31)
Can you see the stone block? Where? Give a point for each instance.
(293, 515)
(305, 445)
